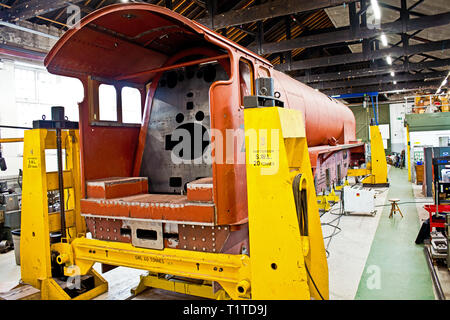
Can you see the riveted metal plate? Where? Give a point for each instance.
(108, 229)
(202, 238)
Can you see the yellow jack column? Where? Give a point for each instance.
(285, 264)
(376, 170)
(37, 223)
(408, 148)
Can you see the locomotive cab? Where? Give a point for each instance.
(156, 88)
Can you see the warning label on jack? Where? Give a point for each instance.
(262, 158)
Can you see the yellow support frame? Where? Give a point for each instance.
(283, 265)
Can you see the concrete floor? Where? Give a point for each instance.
(370, 258)
(9, 272)
(348, 249)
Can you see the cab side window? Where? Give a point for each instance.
(107, 102)
(114, 103)
(246, 79)
(131, 105)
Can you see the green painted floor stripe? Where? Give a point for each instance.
(396, 267)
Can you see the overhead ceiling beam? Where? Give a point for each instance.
(415, 5)
(42, 39)
(351, 35)
(379, 80)
(367, 72)
(33, 8)
(364, 56)
(271, 9)
(388, 6)
(387, 88)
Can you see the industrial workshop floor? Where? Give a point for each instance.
(369, 257)
(376, 257)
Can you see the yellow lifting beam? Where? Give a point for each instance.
(287, 259)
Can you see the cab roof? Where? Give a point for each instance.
(124, 39)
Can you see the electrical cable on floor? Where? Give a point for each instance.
(336, 227)
(340, 213)
(330, 238)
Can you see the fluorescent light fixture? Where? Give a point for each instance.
(392, 74)
(376, 9)
(389, 59)
(384, 40)
(395, 82)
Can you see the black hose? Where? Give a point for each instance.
(300, 198)
(317, 289)
(19, 178)
(301, 206)
(61, 183)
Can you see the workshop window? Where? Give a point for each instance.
(131, 105)
(25, 85)
(47, 84)
(245, 79)
(107, 96)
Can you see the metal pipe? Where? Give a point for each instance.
(11, 140)
(434, 277)
(14, 127)
(15, 26)
(61, 183)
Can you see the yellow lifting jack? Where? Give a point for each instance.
(287, 256)
(375, 172)
(326, 201)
